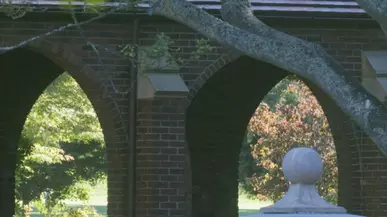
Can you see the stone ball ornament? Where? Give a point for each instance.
(303, 167)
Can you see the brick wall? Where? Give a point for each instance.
(163, 170)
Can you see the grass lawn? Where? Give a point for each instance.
(99, 200)
(100, 209)
(250, 207)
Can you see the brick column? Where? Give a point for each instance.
(161, 188)
(368, 175)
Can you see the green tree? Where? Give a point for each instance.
(61, 150)
(248, 166)
(62, 113)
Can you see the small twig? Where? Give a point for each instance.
(60, 29)
(94, 47)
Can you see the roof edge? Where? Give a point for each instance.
(328, 6)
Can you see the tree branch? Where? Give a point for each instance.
(300, 57)
(95, 49)
(238, 13)
(377, 9)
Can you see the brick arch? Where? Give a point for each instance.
(221, 104)
(209, 71)
(90, 83)
(55, 59)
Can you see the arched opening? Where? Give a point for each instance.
(216, 124)
(288, 116)
(61, 159)
(26, 74)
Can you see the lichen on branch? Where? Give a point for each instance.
(377, 9)
(305, 59)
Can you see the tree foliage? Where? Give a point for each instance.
(62, 113)
(61, 150)
(163, 53)
(80, 212)
(293, 119)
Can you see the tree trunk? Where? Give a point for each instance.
(305, 59)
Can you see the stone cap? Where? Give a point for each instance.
(374, 73)
(161, 84)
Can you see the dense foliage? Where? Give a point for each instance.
(289, 116)
(61, 152)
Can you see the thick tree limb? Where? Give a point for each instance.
(238, 13)
(377, 9)
(300, 57)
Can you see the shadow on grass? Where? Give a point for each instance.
(103, 211)
(100, 209)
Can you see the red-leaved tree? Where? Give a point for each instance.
(295, 119)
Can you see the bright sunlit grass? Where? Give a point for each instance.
(99, 202)
(249, 206)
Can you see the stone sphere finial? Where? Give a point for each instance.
(302, 166)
